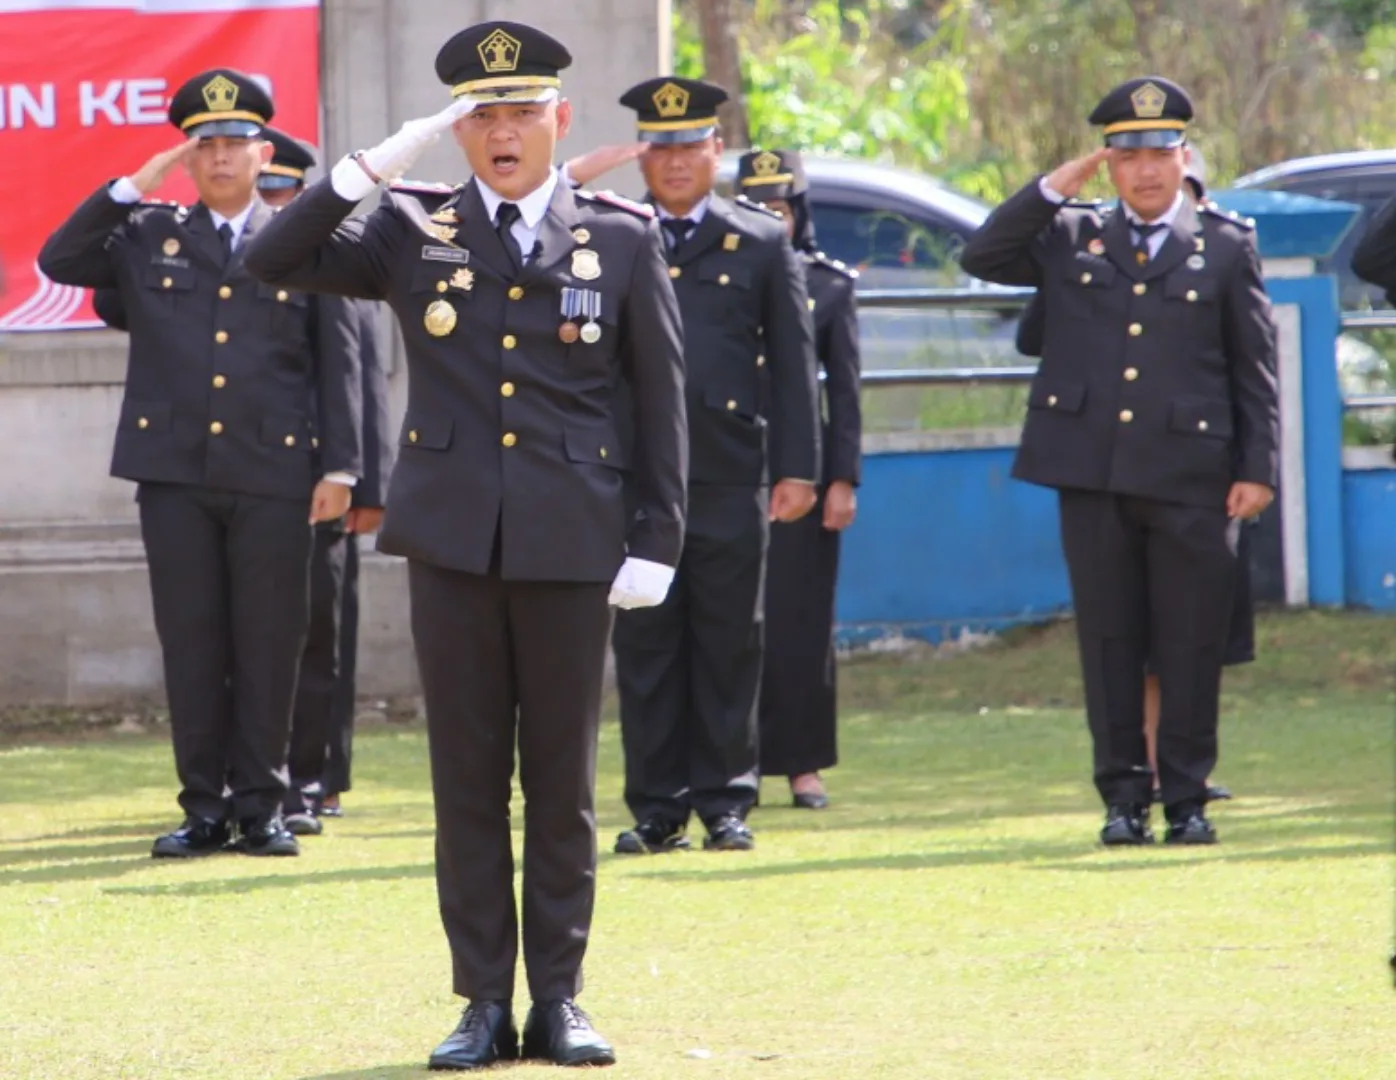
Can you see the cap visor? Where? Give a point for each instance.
(272, 182)
(504, 96)
(759, 192)
(232, 129)
(677, 137)
(1158, 139)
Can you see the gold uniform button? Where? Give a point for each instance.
(1131, 374)
(224, 291)
(221, 337)
(216, 428)
(219, 382)
(507, 389)
(1086, 278)
(142, 423)
(1140, 288)
(603, 453)
(411, 436)
(675, 271)
(282, 295)
(1051, 401)
(1126, 416)
(731, 406)
(760, 361)
(290, 440)
(1192, 296)
(723, 279)
(516, 293)
(510, 341)
(1202, 425)
(509, 438)
(442, 286)
(167, 282)
(1135, 329)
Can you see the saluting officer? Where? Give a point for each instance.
(1154, 414)
(322, 722)
(689, 670)
(242, 406)
(799, 702)
(521, 304)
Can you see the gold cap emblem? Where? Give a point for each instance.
(671, 100)
(766, 164)
(1148, 102)
(440, 318)
(500, 53)
(220, 94)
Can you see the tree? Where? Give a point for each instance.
(722, 62)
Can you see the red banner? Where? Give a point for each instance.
(84, 89)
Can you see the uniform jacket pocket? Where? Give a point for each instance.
(1054, 396)
(1197, 416)
(427, 434)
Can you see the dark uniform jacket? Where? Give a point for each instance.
(747, 336)
(230, 384)
(831, 299)
(1156, 380)
(509, 428)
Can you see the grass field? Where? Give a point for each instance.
(950, 917)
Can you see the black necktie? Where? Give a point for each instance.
(1142, 232)
(225, 235)
(678, 230)
(504, 219)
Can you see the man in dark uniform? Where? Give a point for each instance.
(521, 304)
(799, 703)
(322, 722)
(242, 406)
(1155, 415)
(689, 670)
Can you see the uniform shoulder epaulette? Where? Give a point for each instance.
(620, 202)
(1231, 217)
(760, 208)
(836, 265)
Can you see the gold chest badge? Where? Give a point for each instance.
(586, 264)
(440, 318)
(463, 279)
(444, 233)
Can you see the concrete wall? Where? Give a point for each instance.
(75, 623)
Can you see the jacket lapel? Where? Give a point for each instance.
(257, 220)
(716, 222)
(1119, 246)
(555, 239)
(476, 233)
(199, 225)
(1177, 245)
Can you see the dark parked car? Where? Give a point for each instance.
(1364, 177)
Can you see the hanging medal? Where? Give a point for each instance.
(591, 329)
(571, 308)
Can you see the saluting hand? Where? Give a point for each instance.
(791, 500)
(329, 502)
(1070, 178)
(1246, 500)
(152, 174)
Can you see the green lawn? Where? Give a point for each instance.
(949, 918)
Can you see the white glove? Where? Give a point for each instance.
(641, 583)
(395, 154)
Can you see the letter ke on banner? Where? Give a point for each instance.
(84, 87)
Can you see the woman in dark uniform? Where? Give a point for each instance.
(798, 708)
(1240, 640)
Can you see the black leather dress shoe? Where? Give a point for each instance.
(266, 836)
(197, 836)
(1190, 827)
(303, 823)
(1126, 825)
(558, 1031)
(1217, 793)
(485, 1034)
(728, 833)
(653, 836)
(810, 800)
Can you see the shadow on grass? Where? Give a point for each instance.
(237, 886)
(375, 1072)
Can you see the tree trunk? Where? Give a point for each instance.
(723, 64)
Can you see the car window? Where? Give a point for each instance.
(890, 249)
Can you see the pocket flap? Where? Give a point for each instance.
(725, 275)
(1067, 397)
(286, 430)
(145, 415)
(443, 278)
(1191, 288)
(279, 295)
(1200, 417)
(738, 402)
(168, 278)
(426, 433)
(1090, 272)
(593, 446)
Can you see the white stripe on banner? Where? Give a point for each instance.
(20, 315)
(151, 7)
(50, 307)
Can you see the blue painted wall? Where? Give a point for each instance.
(944, 541)
(1369, 538)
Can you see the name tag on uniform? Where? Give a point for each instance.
(166, 260)
(446, 255)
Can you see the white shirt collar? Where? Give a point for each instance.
(238, 222)
(1166, 218)
(532, 206)
(695, 215)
